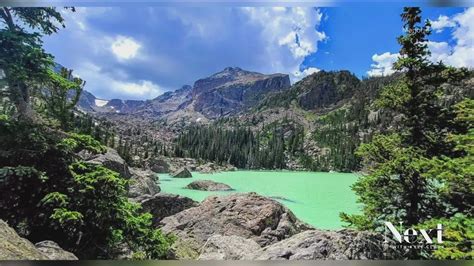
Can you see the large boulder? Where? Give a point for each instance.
(162, 205)
(143, 182)
(219, 247)
(14, 247)
(182, 173)
(53, 251)
(208, 185)
(112, 160)
(247, 215)
(159, 165)
(319, 244)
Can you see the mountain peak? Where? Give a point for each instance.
(232, 69)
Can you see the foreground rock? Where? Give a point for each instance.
(112, 160)
(182, 173)
(219, 247)
(53, 251)
(318, 244)
(143, 182)
(14, 247)
(208, 185)
(248, 215)
(162, 205)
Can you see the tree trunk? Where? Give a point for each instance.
(20, 97)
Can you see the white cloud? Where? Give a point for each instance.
(383, 64)
(289, 35)
(308, 71)
(439, 51)
(140, 88)
(125, 48)
(461, 53)
(458, 54)
(441, 23)
(123, 89)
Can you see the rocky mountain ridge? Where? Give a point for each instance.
(221, 94)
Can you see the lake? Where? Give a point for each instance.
(316, 198)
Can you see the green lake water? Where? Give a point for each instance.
(314, 197)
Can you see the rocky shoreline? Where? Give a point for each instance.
(238, 226)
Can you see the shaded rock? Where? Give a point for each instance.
(14, 247)
(112, 160)
(208, 185)
(219, 247)
(319, 244)
(247, 215)
(182, 173)
(143, 182)
(159, 165)
(162, 205)
(53, 251)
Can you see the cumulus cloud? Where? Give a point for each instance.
(170, 46)
(383, 64)
(458, 53)
(461, 52)
(289, 36)
(119, 88)
(306, 72)
(125, 48)
(441, 23)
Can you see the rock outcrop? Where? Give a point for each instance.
(208, 185)
(234, 89)
(319, 244)
(162, 205)
(219, 247)
(14, 247)
(112, 160)
(53, 251)
(182, 173)
(247, 215)
(143, 182)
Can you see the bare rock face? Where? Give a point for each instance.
(112, 160)
(247, 215)
(319, 244)
(208, 185)
(14, 247)
(53, 251)
(234, 89)
(143, 182)
(162, 205)
(182, 173)
(219, 247)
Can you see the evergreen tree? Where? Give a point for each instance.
(398, 187)
(22, 57)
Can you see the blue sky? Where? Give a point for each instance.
(141, 52)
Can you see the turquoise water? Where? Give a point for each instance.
(314, 197)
